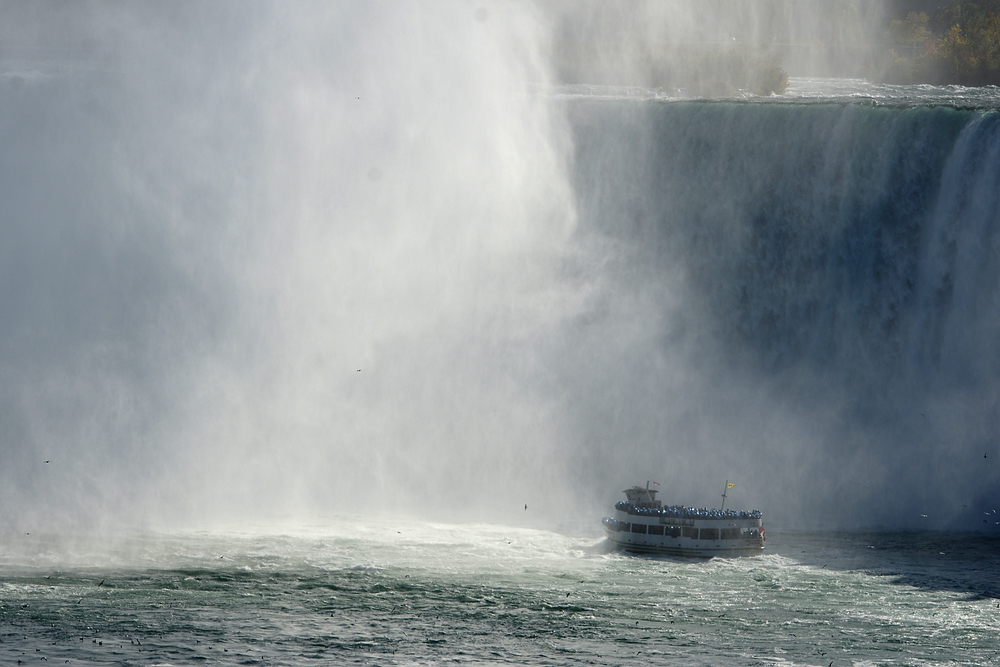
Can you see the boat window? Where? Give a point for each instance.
(656, 530)
(709, 533)
(638, 528)
(623, 527)
(674, 531)
(730, 533)
(688, 531)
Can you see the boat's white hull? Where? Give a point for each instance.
(685, 547)
(689, 538)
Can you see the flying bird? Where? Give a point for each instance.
(46, 461)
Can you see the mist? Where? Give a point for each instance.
(273, 264)
(714, 48)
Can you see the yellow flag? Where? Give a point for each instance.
(730, 485)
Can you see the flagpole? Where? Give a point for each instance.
(724, 496)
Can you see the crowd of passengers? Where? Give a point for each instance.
(682, 512)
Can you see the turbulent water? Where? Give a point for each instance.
(370, 592)
(801, 290)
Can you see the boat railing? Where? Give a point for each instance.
(682, 512)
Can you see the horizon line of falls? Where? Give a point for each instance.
(825, 295)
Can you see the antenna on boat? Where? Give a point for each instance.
(728, 486)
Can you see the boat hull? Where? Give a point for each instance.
(703, 538)
(682, 550)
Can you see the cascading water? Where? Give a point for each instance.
(284, 285)
(838, 259)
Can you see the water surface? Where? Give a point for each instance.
(419, 593)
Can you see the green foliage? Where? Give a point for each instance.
(972, 49)
(912, 31)
(965, 51)
(769, 80)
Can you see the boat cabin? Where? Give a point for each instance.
(642, 497)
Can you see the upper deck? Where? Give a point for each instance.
(683, 512)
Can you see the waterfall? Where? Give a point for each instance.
(834, 270)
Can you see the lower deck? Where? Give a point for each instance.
(704, 540)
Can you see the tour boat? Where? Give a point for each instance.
(641, 524)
